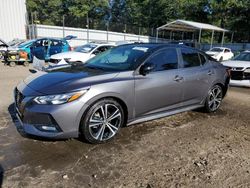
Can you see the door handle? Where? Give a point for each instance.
(178, 78)
(210, 72)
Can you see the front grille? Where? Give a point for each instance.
(55, 61)
(237, 75)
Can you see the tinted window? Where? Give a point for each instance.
(190, 58)
(56, 43)
(202, 59)
(165, 60)
(85, 48)
(101, 49)
(121, 58)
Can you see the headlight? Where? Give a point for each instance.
(59, 99)
(247, 70)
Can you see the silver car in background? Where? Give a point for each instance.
(125, 85)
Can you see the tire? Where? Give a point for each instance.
(12, 64)
(102, 121)
(221, 59)
(26, 63)
(213, 99)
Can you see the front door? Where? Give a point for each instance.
(159, 90)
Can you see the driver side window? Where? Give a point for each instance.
(166, 59)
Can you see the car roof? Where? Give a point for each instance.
(100, 44)
(221, 48)
(159, 45)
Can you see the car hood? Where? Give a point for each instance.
(235, 63)
(66, 80)
(71, 54)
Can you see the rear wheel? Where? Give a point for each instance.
(213, 99)
(102, 121)
(12, 64)
(26, 63)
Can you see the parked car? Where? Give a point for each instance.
(3, 49)
(240, 69)
(79, 54)
(122, 42)
(125, 85)
(220, 54)
(42, 48)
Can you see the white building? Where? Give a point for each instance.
(13, 19)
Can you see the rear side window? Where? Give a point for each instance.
(190, 58)
(202, 59)
(166, 59)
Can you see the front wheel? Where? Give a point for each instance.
(213, 99)
(102, 121)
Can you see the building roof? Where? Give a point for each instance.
(183, 25)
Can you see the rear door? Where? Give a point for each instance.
(55, 47)
(197, 76)
(159, 91)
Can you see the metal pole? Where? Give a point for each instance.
(32, 25)
(200, 37)
(108, 32)
(87, 27)
(157, 32)
(222, 40)
(125, 30)
(212, 39)
(182, 35)
(170, 37)
(232, 37)
(63, 26)
(139, 34)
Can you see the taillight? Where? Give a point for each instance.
(71, 48)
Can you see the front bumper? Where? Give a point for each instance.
(245, 83)
(50, 121)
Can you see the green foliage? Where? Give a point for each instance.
(230, 14)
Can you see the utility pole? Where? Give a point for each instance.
(87, 27)
(63, 26)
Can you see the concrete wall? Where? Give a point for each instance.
(12, 19)
(84, 35)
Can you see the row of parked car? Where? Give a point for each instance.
(54, 51)
(58, 52)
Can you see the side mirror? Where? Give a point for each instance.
(146, 68)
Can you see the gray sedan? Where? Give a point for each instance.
(125, 85)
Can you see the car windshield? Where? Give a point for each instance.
(121, 58)
(245, 56)
(85, 48)
(216, 50)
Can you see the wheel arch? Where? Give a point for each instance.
(118, 99)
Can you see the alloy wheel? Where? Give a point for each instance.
(214, 98)
(105, 122)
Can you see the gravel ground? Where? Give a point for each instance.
(191, 149)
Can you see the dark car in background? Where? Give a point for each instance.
(125, 85)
